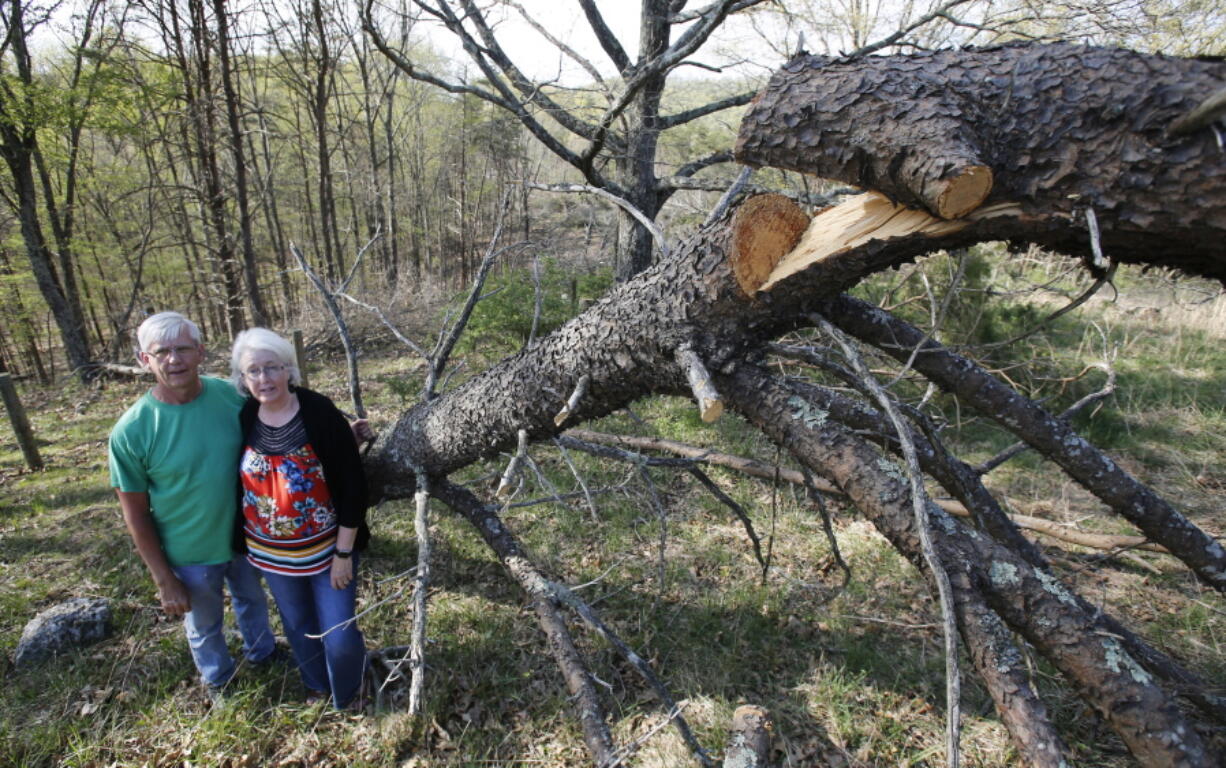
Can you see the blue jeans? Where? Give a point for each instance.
(310, 606)
(204, 623)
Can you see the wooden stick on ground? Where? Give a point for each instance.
(755, 468)
(421, 586)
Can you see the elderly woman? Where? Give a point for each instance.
(303, 512)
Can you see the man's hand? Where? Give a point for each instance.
(173, 596)
(171, 592)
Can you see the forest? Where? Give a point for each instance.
(756, 383)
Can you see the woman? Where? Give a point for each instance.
(303, 512)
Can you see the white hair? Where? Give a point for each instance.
(163, 327)
(263, 340)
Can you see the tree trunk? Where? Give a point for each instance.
(1057, 131)
(259, 313)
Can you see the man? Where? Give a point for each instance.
(174, 464)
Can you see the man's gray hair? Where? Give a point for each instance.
(163, 327)
(263, 340)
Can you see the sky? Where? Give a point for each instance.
(565, 20)
(732, 43)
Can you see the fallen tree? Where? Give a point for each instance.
(1063, 146)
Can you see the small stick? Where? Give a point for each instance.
(1107, 390)
(573, 401)
(710, 404)
(587, 493)
(405, 340)
(729, 195)
(1100, 261)
(508, 477)
(1200, 116)
(448, 338)
(737, 510)
(351, 352)
(536, 299)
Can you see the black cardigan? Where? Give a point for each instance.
(332, 440)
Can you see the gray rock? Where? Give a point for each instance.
(70, 625)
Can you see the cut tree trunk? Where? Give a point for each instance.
(760, 270)
(1055, 130)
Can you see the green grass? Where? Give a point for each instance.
(854, 676)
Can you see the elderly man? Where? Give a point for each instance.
(174, 464)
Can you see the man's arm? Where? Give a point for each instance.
(171, 592)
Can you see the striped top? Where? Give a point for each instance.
(288, 519)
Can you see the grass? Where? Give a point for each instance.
(851, 678)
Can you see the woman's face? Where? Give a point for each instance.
(266, 377)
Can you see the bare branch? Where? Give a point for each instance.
(1106, 391)
(572, 403)
(504, 99)
(405, 340)
(512, 471)
(919, 498)
(736, 508)
(351, 354)
(421, 585)
(681, 118)
(544, 596)
(891, 39)
(442, 351)
(574, 56)
(624, 204)
(694, 166)
(710, 404)
(608, 41)
(729, 195)
(688, 16)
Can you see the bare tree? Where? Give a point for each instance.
(619, 141)
(19, 122)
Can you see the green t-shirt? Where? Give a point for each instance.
(186, 458)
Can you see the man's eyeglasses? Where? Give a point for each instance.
(267, 371)
(162, 353)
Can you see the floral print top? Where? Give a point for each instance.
(289, 522)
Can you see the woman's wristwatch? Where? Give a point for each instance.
(343, 554)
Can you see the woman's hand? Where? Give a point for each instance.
(342, 572)
(362, 431)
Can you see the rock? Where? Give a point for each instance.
(70, 625)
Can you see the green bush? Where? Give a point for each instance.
(503, 319)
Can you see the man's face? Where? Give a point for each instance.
(175, 362)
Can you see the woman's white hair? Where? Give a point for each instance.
(163, 327)
(262, 340)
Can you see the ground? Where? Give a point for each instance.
(851, 676)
